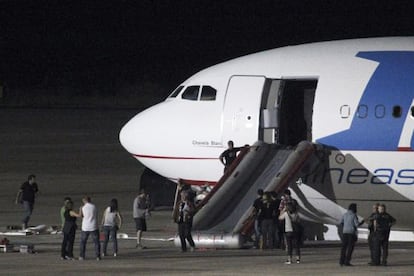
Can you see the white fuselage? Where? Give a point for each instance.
(182, 138)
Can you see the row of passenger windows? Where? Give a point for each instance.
(379, 111)
(195, 93)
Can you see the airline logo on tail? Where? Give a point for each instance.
(391, 85)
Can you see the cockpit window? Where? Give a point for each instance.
(208, 93)
(191, 93)
(176, 91)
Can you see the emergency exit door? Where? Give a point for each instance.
(241, 113)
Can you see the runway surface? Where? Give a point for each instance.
(163, 258)
(72, 153)
(77, 152)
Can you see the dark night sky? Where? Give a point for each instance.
(167, 41)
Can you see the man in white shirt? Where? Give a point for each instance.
(89, 216)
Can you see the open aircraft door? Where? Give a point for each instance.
(241, 113)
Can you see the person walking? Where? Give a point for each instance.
(111, 222)
(26, 196)
(89, 216)
(284, 200)
(292, 230)
(68, 230)
(382, 227)
(349, 223)
(185, 221)
(140, 213)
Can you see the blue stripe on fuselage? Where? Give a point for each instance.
(392, 84)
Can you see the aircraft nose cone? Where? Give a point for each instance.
(140, 135)
(126, 136)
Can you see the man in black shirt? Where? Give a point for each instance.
(257, 206)
(26, 196)
(267, 225)
(371, 234)
(382, 227)
(229, 155)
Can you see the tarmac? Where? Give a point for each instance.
(76, 152)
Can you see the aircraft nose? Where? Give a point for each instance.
(140, 136)
(131, 134)
(126, 136)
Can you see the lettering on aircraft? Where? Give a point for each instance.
(207, 143)
(360, 176)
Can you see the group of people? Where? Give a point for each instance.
(379, 225)
(277, 223)
(288, 233)
(111, 222)
(268, 233)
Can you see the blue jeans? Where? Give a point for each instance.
(28, 209)
(84, 239)
(110, 233)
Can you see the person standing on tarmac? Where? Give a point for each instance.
(111, 222)
(370, 222)
(268, 213)
(292, 230)
(185, 221)
(228, 156)
(349, 223)
(257, 206)
(382, 227)
(89, 215)
(140, 212)
(69, 230)
(278, 233)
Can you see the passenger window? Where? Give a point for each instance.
(208, 93)
(191, 93)
(176, 91)
(396, 111)
(362, 111)
(380, 111)
(345, 111)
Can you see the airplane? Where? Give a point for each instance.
(353, 98)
